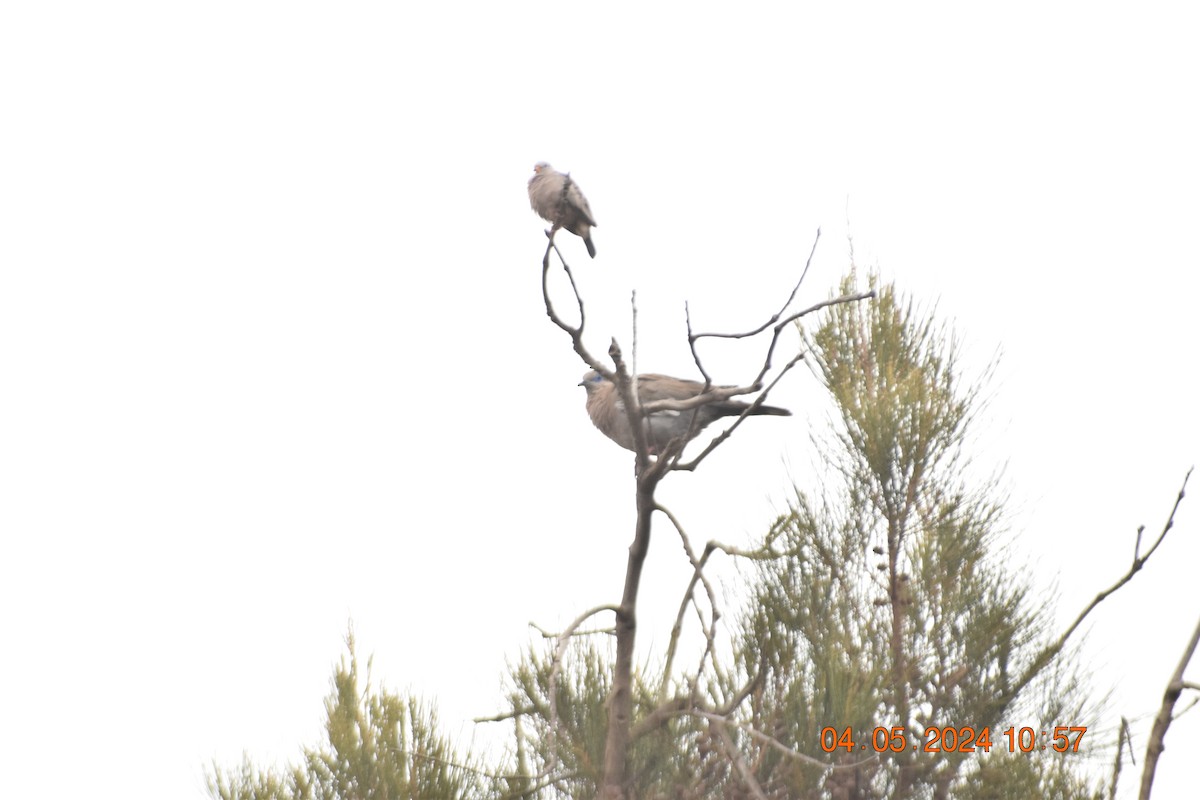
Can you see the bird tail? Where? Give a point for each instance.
(735, 408)
(775, 411)
(591, 247)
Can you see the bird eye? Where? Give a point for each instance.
(598, 378)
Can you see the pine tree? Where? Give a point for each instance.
(891, 604)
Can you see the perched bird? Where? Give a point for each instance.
(557, 199)
(607, 410)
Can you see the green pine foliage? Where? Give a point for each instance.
(559, 752)
(380, 746)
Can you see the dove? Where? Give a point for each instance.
(605, 407)
(556, 198)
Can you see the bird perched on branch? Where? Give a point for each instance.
(557, 199)
(607, 410)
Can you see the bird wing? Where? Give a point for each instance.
(652, 386)
(576, 198)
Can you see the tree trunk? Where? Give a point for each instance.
(620, 697)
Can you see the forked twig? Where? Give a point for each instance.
(1139, 561)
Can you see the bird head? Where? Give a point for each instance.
(540, 167)
(592, 381)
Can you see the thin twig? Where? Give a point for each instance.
(1122, 733)
(687, 316)
(1186, 708)
(575, 332)
(1138, 563)
(1048, 652)
(774, 317)
(1128, 740)
(551, 635)
(719, 393)
(739, 763)
(634, 414)
(543, 781)
(780, 746)
(697, 576)
(710, 640)
(418, 755)
(727, 432)
(560, 648)
(740, 695)
(507, 715)
(633, 373)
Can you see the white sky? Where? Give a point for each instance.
(273, 355)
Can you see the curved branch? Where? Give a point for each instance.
(718, 393)
(1049, 651)
(575, 332)
(560, 647)
(771, 741)
(748, 779)
(774, 317)
(725, 434)
(688, 595)
(1139, 561)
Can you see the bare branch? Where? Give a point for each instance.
(634, 413)
(697, 577)
(1128, 740)
(658, 717)
(1138, 563)
(846, 298)
(620, 699)
(551, 635)
(771, 741)
(422, 756)
(710, 642)
(540, 782)
(727, 432)
(758, 554)
(648, 473)
(718, 393)
(849, 298)
(714, 394)
(633, 326)
(1188, 707)
(1122, 739)
(1170, 524)
(560, 648)
(507, 715)
(1050, 650)
(774, 317)
(576, 333)
(687, 316)
(740, 695)
(1163, 721)
(744, 772)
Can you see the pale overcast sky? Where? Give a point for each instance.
(273, 354)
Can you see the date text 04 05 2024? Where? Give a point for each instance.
(1063, 739)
